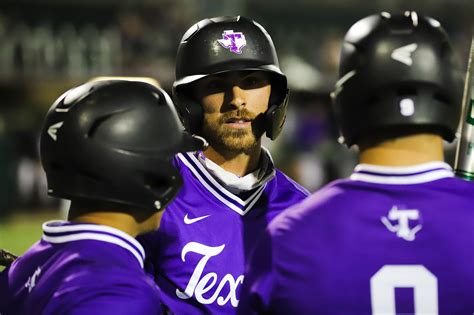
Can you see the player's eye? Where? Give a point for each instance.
(211, 85)
(254, 81)
(250, 82)
(215, 84)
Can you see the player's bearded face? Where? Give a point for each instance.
(234, 110)
(222, 132)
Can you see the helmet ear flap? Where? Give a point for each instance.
(189, 110)
(275, 117)
(164, 186)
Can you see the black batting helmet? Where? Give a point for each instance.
(398, 73)
(222, 44)
(113, 141)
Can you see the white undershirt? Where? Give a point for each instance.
(237, 184)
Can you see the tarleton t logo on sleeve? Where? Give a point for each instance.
(31, 283)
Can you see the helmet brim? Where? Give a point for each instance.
(272, 69)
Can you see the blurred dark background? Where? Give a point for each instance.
(49, 46)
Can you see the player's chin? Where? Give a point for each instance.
(242, 143)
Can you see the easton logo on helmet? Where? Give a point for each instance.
(53, 129)
(403, 54)
(233, 41)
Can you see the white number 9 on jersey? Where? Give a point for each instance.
(389, 277)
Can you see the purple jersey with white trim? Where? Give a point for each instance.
(198, 254)
(388, 240)
(79, 269)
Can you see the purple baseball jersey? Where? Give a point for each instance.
(198, 254)
(79, 269)
(388, 240)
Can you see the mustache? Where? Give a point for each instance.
(243, 114)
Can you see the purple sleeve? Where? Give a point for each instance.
(260, 279)
(4, 292)
(106, 293)
(122, 306)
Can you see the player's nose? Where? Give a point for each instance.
(237, 97)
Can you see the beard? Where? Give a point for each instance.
(234, 140)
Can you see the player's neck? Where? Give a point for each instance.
(239, 164)
(404, 151)
(122, 221)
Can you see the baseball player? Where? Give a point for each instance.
(230, 90)
(395, 237)
(108, 147)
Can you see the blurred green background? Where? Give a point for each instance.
(22, 230)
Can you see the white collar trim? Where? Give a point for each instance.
(396, 175)
(61, 232)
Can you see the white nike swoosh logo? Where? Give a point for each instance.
(194, 220)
